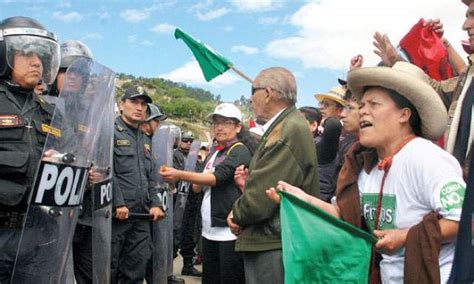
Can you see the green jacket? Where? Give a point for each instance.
(286, 152)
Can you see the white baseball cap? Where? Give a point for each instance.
(228, 110)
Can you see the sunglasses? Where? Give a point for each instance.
(186, 140)
(254, 89)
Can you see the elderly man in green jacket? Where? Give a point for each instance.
(286, 152)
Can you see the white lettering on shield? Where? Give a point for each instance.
(105, 193)
(64, 187)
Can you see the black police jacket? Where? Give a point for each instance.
(23, 133)
(133, 181)
(178, 159)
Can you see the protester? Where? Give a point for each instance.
(454, 92)
(27, 56)
(331, 103)
(221, 264)
(327, 144)
(313, 117)
(463, 265)
(349, 116)
(286, 151)
(411, 203)
(324, 142)
(133, 191)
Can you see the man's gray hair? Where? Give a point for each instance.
(280, 80)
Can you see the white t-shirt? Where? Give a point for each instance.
(209, 232)
(423, 178)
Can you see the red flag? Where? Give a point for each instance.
(251, 123)
(427, 51)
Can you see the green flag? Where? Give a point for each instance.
(319, 248)
(212, 63)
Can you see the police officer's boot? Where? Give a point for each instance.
(188, 268)
(175, 280)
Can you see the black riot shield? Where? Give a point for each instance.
(162, 145)
(184, 187)
(62, 175)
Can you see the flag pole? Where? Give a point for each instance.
(240, 73)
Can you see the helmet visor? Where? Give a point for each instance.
(33, 56)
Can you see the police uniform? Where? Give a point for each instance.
(133, 186)
(23, 130)
(184, 239)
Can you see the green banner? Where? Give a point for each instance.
(319, 248)
(211, 62)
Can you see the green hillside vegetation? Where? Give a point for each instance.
(186, 106)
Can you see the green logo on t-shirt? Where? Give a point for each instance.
(387, 215)
(452, 195)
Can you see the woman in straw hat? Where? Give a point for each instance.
(408, 191)
(221, 264)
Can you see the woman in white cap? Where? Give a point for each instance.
(408, 191)
(221, 264)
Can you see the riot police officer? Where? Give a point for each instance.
(184, 238)
(154, 117)
(180, 153)
(82, 247)
(29, 53)
(70, 51)
(133, 190)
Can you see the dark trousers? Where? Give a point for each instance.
(34, 257)
(220, 263)
(82, 254)
(9, 239)
(184, 238)
(263, 267)
(131, 249)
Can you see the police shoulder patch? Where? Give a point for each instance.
(56, 132)
(10, 120)
(122, 142)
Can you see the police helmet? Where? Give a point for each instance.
(72, 50)
(27, 36)
(187, 135)
(154, 112)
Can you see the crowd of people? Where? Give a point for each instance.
(387, 150)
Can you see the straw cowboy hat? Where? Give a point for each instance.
(412, 83)
(335, 94)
